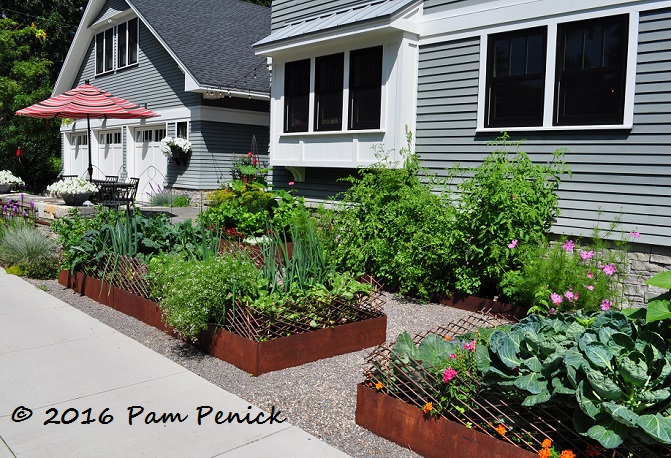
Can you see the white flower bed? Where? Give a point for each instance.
(71, 186)
(7, 177)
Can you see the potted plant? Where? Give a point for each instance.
(8, 180)
(249, 169)
(177, 149)
(73, 191)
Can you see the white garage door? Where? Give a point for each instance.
(76, 158)
(148, 163)
(109, 160)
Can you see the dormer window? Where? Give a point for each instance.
(126, 47)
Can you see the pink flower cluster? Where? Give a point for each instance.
(568, 246)
(449, 374)
(605, 305)
(608, 269)
(470, 346)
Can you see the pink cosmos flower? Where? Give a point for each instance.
(568, 246)
(453, 356)
(556, 298)
(470, 346)
(449, 374)
(512, 244)
(635, 234)
(589, 287)
(590, 275)
(609, 269)
(605, 305)
(585, 255)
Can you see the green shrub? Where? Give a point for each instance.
(389, 224)
(246, 209)
(30, 249)
(193, 293)
(506, 198)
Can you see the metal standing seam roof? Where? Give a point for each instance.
(352, 15)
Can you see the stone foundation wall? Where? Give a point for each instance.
(645, 261)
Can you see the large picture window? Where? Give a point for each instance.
(297, 96)
(328, 92)
(516, 78)
(591, 67)
(365, 88)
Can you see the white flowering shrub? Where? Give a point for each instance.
(71, 186)
(7, 177)
(169, 142)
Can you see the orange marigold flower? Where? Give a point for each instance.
(448, 338)
(428, 407)
(378, 386)
(501, 430)
(567, 454)
(545, 453)
(547, 443)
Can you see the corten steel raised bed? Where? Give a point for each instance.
(475, 304)
(468, 429)
(428, 436)
(255, 357)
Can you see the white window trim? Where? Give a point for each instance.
(550, 74)
(345, 93)
(137, 44)
(115, 48)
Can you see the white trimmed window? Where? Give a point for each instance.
(126, 48)
(559, 75)
(347, 89)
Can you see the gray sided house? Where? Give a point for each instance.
(593, 77)
(190, 62)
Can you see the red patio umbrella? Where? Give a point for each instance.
(86, 101)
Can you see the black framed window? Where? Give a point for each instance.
(365, 88)
(133, 31)
(328, 92)
(591, 71)
(109, 50)
(182, 129)
(122, 45)
(100, 53)
(296, 96)
(516, 78)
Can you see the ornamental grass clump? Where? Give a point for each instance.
(33, 252)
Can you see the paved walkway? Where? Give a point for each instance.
(83, 389)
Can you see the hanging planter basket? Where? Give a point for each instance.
(178, 155)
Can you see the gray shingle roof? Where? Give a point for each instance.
(213, 38)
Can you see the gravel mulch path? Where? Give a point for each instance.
(318, 397)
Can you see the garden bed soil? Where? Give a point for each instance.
(428, 436)
(253, 357)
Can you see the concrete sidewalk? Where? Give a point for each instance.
(83, 389)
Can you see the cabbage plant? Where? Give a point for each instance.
(616, 372)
